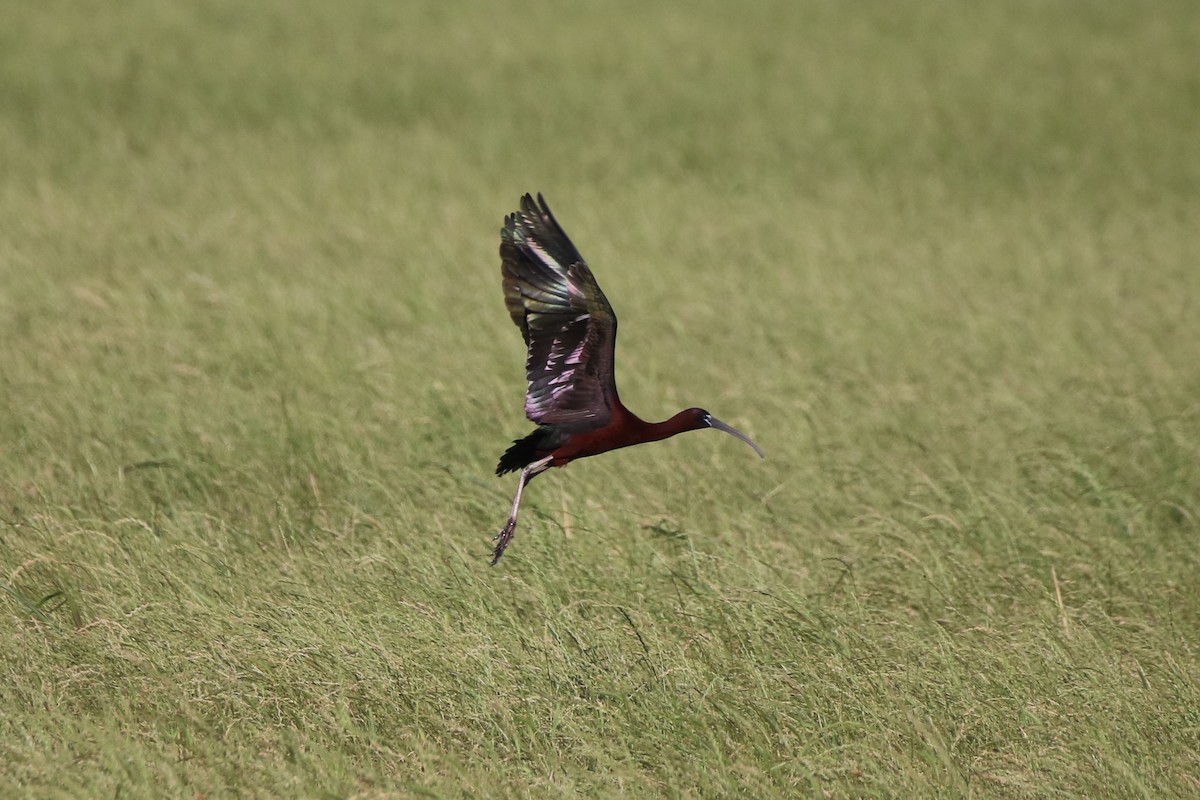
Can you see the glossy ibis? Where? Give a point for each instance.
(570, 331)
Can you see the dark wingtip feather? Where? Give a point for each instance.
(535, 223)
(527, 218)
(511, 221)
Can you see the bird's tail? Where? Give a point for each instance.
(525, 451)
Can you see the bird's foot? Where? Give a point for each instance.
(502, 539)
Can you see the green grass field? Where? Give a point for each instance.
(940, 260)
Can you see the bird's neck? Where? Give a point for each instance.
(656, 431)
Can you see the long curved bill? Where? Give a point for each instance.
(713, 422)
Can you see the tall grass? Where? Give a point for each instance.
(255, 372)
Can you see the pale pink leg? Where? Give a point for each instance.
(510, 528)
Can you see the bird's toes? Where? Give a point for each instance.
(502, 539)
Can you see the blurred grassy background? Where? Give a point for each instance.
(255, 373)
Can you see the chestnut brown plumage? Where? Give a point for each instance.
(570, 332)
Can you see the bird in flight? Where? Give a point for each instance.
(570, 331)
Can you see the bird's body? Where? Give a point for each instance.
(570, 331)
(623, 429)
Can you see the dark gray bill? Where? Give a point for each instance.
(713, 422)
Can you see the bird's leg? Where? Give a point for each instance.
(506, 533)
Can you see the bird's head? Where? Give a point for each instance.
(699, 418)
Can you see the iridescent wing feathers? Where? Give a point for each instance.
(570, 329)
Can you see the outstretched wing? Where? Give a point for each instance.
(569, 327)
